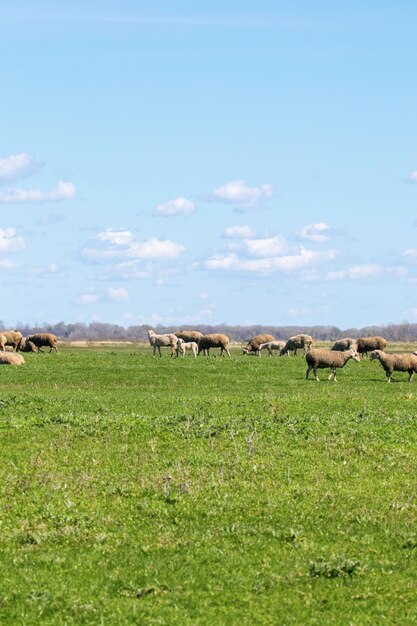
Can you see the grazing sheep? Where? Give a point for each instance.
(216, 340)
(396, 363)
(255, 342)
(320, 358)
(296, 343)
(13, 338)
(341, 345)
(368, 344)
(11, 358)
(49, 340)
(27, 346)
(272, 345)
(158, 341)
(189, 335)
(183, 346)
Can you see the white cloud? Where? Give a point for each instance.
(10, 242)
(123, 245)
(179, 206)
(238, 232)
(288, 263)
(63, 191)
(357, 272)
(270, 247)
(116, 237)
(7, 264)
(17, 166)
(86, 298)
(411, 254)
(314, 232)
(118, 293)
(155, 248)
(413, 177)
(238, 193)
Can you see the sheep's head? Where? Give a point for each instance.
(354, 355)
(375, 354)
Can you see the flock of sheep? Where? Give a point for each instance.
(317, 358)
(192, 341)
(12, 342)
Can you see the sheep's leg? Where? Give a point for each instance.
(411, 374)
(159, 350)
(308, 372)
(227, 352)
(315, 374)
(388, 376)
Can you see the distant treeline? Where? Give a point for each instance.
(102, 331)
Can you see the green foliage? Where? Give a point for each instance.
(140, 490)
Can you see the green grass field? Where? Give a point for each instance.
(139, 490)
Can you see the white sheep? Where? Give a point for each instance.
(320, 358)
(296, 343)
(341, 345)
(272, 345)
(396, 363)
(11, 358)
(183, 347)
(158, 341)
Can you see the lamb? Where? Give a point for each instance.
(27, 346)
(368, 344)
(189, 335)
(341, 345)
(272, 345)
(158, 341)
(396, 363)
(13, 338)
(183, 346)
(320, 358)
(216, 340)
(255, 342)
(11, 358)
(297, 342)
(40, 340)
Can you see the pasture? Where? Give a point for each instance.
(141, 490)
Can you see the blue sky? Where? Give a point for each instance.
(179, 163)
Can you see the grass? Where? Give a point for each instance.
(136, 490)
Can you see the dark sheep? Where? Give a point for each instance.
(47, 340)
(255, 342)
(216, 340)
(368, 344)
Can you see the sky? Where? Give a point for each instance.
(203, 163)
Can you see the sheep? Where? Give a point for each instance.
(368, 344)
(27, 346)
(272, 345)
(216, 340)
(158, 341)
(189, 335)
(11, 358)
(396, 363)
(255, 342)
(48, 340)
(183, 346)
(13, 338)
(3, 343)
(297, 342)
(341, 345)
(319, 358)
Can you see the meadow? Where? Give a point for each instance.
(141, 490)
